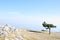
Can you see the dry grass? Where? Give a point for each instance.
(40, 35)
(27, 35)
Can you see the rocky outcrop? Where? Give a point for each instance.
(9, 33)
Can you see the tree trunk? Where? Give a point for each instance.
(49, 31)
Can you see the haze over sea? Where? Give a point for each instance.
(30, 14)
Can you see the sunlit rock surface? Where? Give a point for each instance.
(9, 33)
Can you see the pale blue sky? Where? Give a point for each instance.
(30, 13)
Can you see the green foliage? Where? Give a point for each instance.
(48, 26)
(44, 24)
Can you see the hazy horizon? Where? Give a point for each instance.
(30, 13)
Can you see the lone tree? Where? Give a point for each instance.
(48, 26)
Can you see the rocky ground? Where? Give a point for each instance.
(11, 33)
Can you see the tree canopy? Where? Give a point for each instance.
(48, 26)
